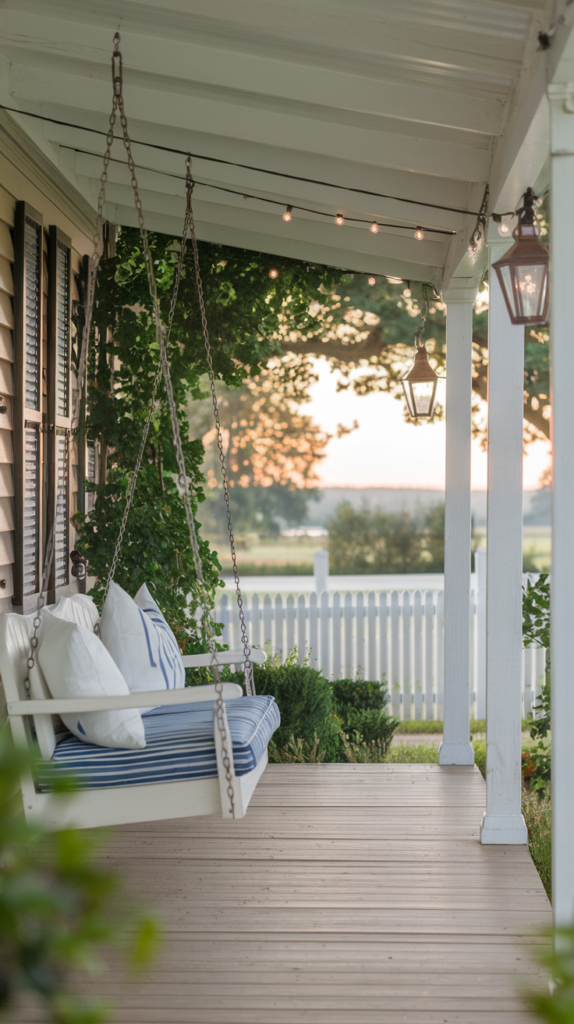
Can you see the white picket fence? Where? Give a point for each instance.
(392, 636)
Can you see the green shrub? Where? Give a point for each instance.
(537, 811)
(362, 707)
(305, 700)
(420, 727)
(480, 756)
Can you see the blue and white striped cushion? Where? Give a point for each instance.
(179, 746)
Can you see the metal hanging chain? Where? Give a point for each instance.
(249, 681)
(81, 381)
(183, 481)
(152, 401)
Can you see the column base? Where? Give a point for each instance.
(503, 829)
(455, 753)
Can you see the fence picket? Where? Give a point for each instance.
(278, 623)
(383, 641)
(336, 620)
(372, 637)
(418, 679)
(324, 621)
(301, 616)
(313, 632)
(360, 670)
(267, 621)
(255, 633)
(407, 657)
(290, 624)
(395, 656)
(429, 658)
(439, 634)
(348, 618)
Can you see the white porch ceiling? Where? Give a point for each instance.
(423, 100)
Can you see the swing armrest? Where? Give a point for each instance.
(145, 699)
(234, 657)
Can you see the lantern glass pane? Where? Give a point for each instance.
(409, 398)
(530, 289)
(423, 394)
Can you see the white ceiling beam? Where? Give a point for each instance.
(387, 37)
(182, 68)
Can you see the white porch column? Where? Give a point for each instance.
(562, 607)
(456, 747)
(503, 821)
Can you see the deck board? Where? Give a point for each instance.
(350, 894)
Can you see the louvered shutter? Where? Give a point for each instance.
(28, 435)
(59, 402)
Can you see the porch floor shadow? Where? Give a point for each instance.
(350, 894)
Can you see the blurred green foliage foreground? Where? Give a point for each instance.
(58, 909)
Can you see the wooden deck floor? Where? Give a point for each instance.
(351, 894)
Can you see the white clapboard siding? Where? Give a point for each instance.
(6, 481)
(6, 345)
(6, 312)
(6, 378)
(7, 207)
(6, 514)
(396, 637)
(6, 246)
(6, 276)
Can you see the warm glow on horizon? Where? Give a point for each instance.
(387, 451)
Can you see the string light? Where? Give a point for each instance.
(419, 234)
(339, 219)
(287, 215)
(372, 280)
(374, 227)
(273, 273)
(503, 229)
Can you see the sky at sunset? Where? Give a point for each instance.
(386, 451)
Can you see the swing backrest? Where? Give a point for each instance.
(15, 633)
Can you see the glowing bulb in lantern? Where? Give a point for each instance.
(419, 234)
(374, 227)
(372, 280)
(287, 215)
(273, 273)
(339, 219)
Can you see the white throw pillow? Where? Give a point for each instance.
(75, 663)
(141, 642)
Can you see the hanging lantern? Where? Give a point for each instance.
(523, 272)
(419, 385)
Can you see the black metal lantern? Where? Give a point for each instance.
(523, 272)
(420, 385)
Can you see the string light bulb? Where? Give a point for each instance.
(374, 227)
(503, 229)
(419, 234)
(372, 280)
(273, 273)
(339, 219)
(287, 215)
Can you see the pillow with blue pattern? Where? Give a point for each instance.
(140, 641)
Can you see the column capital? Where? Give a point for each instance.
(460, 291)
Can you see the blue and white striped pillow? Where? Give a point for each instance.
(141, 642)
(161, 644)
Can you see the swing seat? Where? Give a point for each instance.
(179, 773)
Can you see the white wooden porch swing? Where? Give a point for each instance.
(30, 707)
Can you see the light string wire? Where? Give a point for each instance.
(251, 167)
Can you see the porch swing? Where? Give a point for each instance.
(200, 757)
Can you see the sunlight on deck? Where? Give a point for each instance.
(351, 894)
